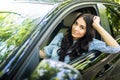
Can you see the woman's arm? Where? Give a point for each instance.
(104, 34)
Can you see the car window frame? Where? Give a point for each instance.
(59, 17)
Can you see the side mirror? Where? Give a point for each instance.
(55, 70)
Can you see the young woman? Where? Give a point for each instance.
(80, 39)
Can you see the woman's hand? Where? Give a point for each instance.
(96, 21)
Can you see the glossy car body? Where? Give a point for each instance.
(20, 53)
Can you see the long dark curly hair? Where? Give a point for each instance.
(81, 45)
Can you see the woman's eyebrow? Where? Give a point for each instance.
(83, 26)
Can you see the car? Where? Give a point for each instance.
(26, 27)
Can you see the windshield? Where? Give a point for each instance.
(17, 22)
(14, 29)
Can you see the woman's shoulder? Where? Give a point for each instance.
(57, 38)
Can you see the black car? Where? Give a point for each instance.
(26, 27)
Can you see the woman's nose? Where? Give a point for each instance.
(76, 28)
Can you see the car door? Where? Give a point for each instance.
(61, 16)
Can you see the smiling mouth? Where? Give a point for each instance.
(74, 32)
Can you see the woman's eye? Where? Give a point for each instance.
(82, 27)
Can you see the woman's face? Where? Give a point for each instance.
(79, 28)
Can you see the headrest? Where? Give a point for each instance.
(69, 19)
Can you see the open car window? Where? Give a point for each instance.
(66, 23)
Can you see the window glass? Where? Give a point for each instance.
(113, 14)
(14, 30)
